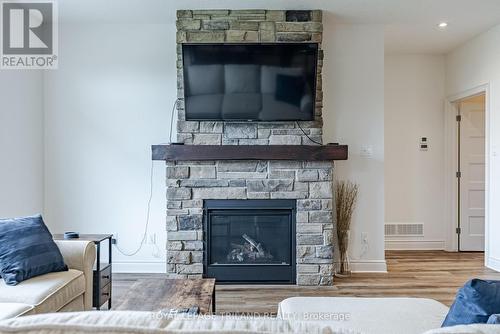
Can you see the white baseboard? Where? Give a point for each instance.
(368, 266)
(493, 263)
(140, 267)
(415, 244)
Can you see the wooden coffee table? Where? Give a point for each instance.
(163, 293)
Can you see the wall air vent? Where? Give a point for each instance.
(404, 229)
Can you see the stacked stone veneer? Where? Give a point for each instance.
(189, 183)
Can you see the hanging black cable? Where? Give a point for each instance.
(172, 119)
(312, 140)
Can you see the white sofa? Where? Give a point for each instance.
(367, 315)
(129, 322)
(64, 291)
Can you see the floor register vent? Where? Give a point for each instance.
(395, 229)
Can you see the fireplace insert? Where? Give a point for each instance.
(250, 241)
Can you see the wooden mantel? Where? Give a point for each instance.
(249, 152)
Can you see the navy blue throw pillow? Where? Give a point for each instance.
(476, 301)
(289, 89)
(494, 319)
(27, 250)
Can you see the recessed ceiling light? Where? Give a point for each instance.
(443, 25)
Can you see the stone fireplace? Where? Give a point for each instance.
(306, 183)
(191, 183)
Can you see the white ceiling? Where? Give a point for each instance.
(410, 25)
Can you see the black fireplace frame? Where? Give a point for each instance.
(247, 274)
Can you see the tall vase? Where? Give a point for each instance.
(344, 265)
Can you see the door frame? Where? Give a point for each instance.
(451, 166)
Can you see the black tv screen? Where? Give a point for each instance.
(250, 82)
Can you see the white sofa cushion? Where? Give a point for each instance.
(146, 322)
(11, 310)
(273, 109)
(467, 329)
(204, 79)
(367, 315)
(47, 293)
(204, 106)
(241, 79)
(241, 106)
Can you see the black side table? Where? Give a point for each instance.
(102, 286)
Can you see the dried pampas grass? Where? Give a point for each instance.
(346, 193)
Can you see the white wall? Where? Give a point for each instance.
(476, 63)
(414, 179)
(21, 143)
(353, 82)
(108, 102)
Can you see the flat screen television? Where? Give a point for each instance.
(250, 82)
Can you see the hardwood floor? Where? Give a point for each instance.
(429, 274)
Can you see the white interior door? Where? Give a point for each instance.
(472, 168)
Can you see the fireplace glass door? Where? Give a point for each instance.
(243, 237)
(250, 241)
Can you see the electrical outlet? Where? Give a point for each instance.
(151, 239)
(114, 240)
(366, 151)
(364, 237)
(364, 244)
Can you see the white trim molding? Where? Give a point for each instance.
(368, 266)
(415, 244)
(140, 267)
(493, 263)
